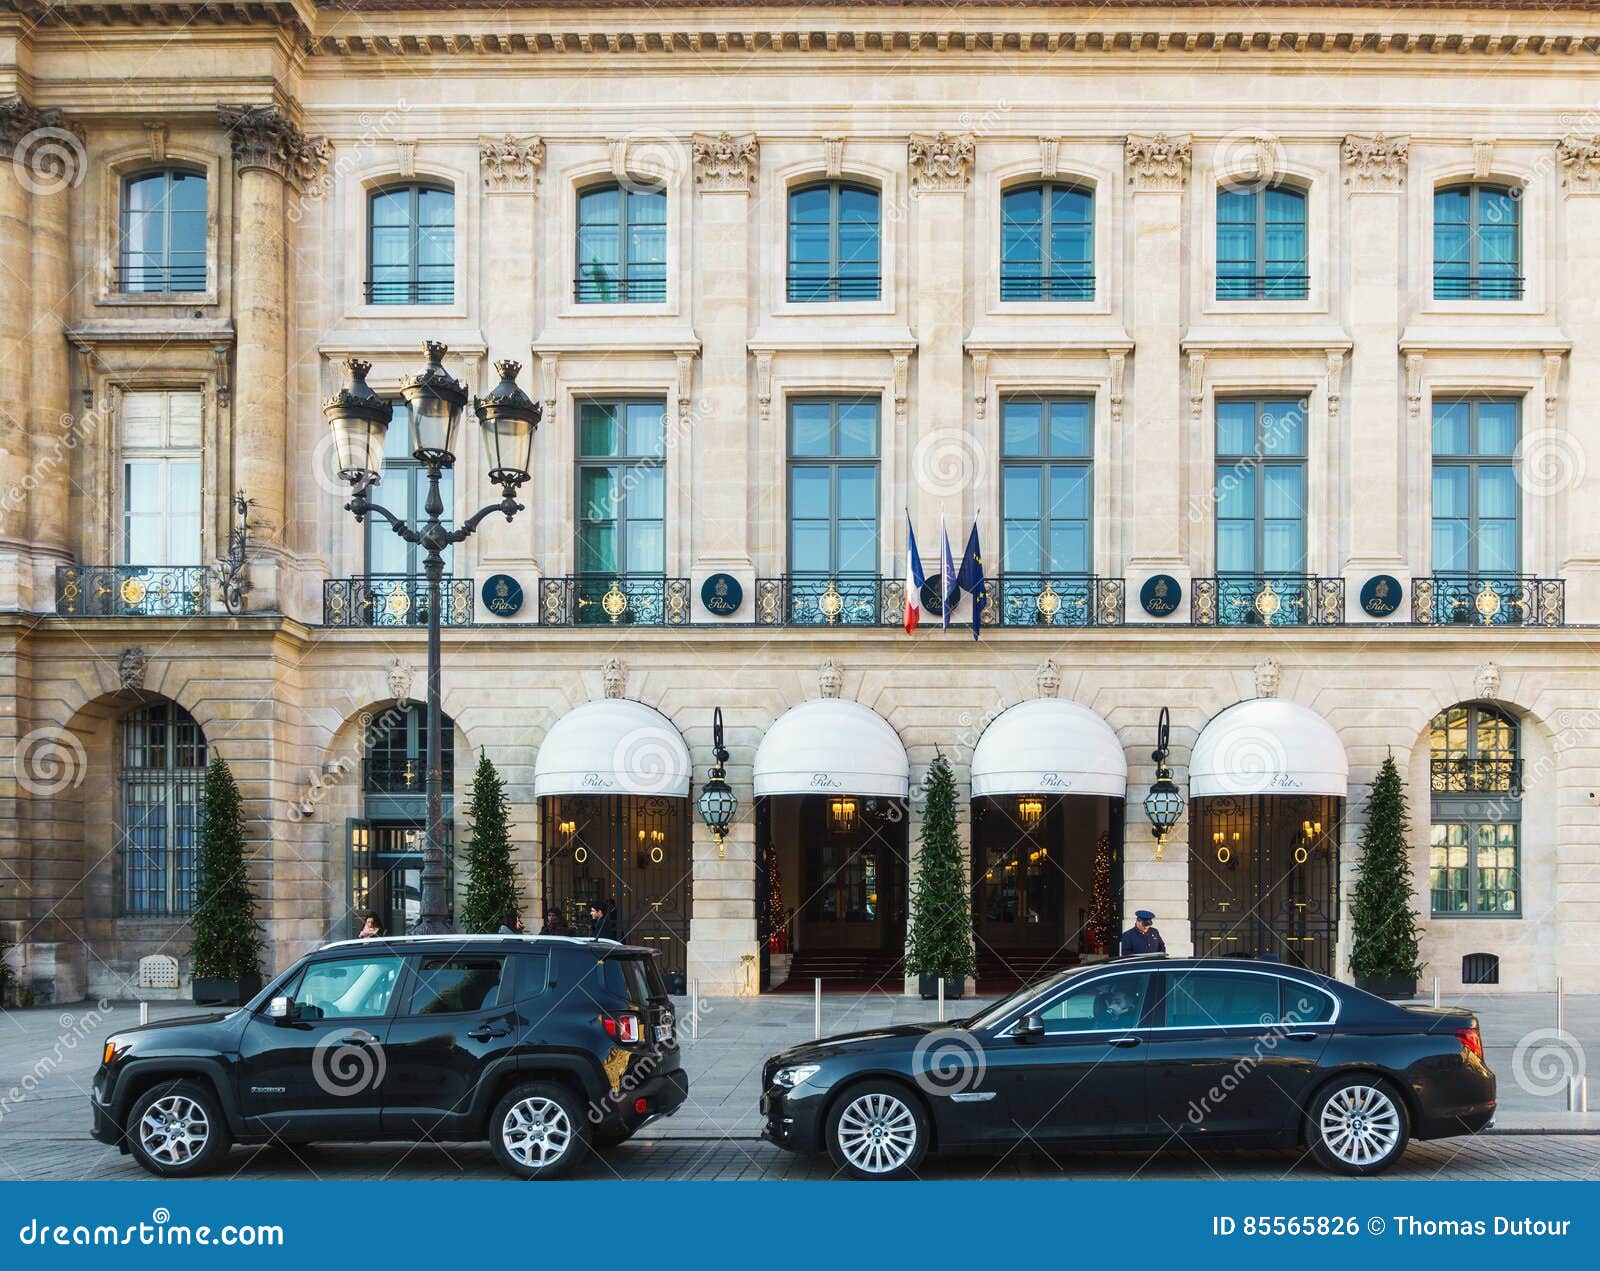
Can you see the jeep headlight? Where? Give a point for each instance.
(789, 1078)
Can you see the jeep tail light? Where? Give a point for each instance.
(625, 1028)
(1471, 1039)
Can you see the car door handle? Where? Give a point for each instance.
(360, 1037)
(1304, 1035)
(1123, 1042)
(483, 1032)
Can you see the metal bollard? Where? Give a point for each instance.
(144, 1012)
(694, 1011)
(1436, 992)
(1578, 1094)
(941, 999)
(817, 1025)
(1561, 1005)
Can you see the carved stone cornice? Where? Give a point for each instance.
(264, 137)
(1375, 163)
(940, 162)
(510, 165)
(1158, 162)
(725, 163)
(1579, 161)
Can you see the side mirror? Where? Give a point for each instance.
(281, 1009)
(1030, 1029)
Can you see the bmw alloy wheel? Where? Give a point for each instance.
(174, 1130)
(877, 1133)
(1360, 1125)
(536, 1132)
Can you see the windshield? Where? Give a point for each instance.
(992, 1015)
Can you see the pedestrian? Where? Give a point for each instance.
(370, 926)
(1142, 937)
(555, 923)
(603, 923)
(511, 924)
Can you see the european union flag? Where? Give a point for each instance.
(971, 580)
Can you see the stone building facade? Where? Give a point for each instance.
(824, 260)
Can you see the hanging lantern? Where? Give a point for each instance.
(1164, 803)
(717, 801)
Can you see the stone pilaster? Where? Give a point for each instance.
(722, 928)
(1375, 473)
(54, 428)
(1158, 171)
(717, 444)
(270, 153)
(1579, 161)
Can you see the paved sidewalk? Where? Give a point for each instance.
(48, 1057)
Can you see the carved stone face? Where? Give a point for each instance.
(1268, 676)
(1486, 681)
(830, 679)
(1048, 677)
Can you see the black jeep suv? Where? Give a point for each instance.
(544, 1046)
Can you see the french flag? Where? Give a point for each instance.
(914, 579)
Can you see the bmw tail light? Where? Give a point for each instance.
(1471, 1039)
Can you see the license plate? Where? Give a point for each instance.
(663, 1032)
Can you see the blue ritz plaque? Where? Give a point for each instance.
(722, 595)
(1161, 595)
(1380, 595)
(502, 595)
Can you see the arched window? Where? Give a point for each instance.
(1477, 243)
(1475, 775)
(622, 245)
(163, 775)
(163, 232)
(1047, 243)
(833, 242)
(411, 245)
(1261, 243)
(397, 752)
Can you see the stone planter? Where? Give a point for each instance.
(212, 991)
(954, 990)
(1392, 987)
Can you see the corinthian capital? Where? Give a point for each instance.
(725, 161)
(264, 137)
(510, 165)
(46, 152)
(1579, 161)
(1375, 163)
(941, 162)
(1159, 162)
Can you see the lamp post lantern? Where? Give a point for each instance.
(359, 420)
(1164, 803)
(717, 800)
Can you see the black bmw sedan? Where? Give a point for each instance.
(1144, 1052)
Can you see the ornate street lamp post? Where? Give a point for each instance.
(359, 419)
(1164, 804)
(717, 801)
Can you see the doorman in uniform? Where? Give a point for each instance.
(1142, 937)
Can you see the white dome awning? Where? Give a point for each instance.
(1049, 747)
(1268, 746)
(832, 746)
(613, 746)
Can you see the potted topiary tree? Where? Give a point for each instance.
(940, 940)
(1383, 952)
(226, 949)
(491, 877)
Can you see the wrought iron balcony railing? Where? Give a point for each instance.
(1475, 286)
(812, 288)
(1267, 600)
(837, 600)
(121, 591)
(615, 291)
(1494, 600)
(161, 278)
(1045, 600)
(1060, 286)
(393, 600)
(614, 600)
(1478, 775)
(1263, 286)
(411, 291)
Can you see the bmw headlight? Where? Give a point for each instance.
(789, 1078)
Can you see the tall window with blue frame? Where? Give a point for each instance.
(411, 246)
(622, 499)
(1261, 487)
(833, 486)
(622, 245)
(833, 243)
(163, 790)
(1047, 243)
(1261, 243)
(1477, 243)
(405, 493)
(1475, 505)
(1046, 486)
(1474, 848)
(163, 232)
